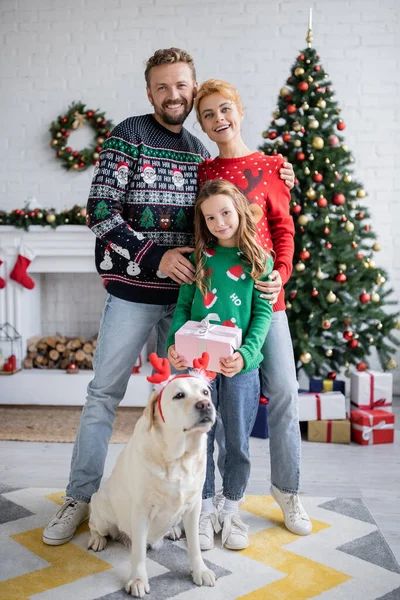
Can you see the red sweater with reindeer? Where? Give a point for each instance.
(257, 176)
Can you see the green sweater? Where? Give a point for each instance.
(233, 296)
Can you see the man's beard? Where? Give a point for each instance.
(177, 119)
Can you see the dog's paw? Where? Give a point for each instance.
(138, 587)
(204, 577)
(175, 533)
(97, 542)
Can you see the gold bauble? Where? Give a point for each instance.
(70, 158)
(100, 140)
(391, 364)
(305, 106)
(299, 71)
(347, 373)
(347, 178)
(311, 194)
(379, 325)
(95, 155)
(361, 193)
(327, 220)
(375, 297)
(284, 91)
(331, 297)
(276, 114)
(325, 115)
(39, 215)
(329, 353)
(305, 358)
(83, 212)
(351, 159)
(50, 218)
(307, 171)
(319, 274)
(313, 124)
(349, 226)
(296, 126)
(58, 135)
(371, 340)
(397, 325)
(265, 134)
(75, 167)
(342, 267)
(321, 103)
(300, 266)
(310, 79)
(54, 143)
(288, 305)
(366, 264)
(380, 280)
(376, 247)
(327, 161)
(318, 142)
(372, 264)
(344, 147)
(311, 157)
(302, 220)
(297, 143)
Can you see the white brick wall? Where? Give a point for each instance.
(54, 52)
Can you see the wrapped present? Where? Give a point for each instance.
(260, 429)
(320, 407)
(370, 390)
(195, 337)
(335, 432)
(372, 427)
(327, 385)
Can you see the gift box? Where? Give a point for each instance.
(195, 337)
(335, 432)
(372, 427)
(327, 385)
(260, 429)
(320, 407)
(370, 390)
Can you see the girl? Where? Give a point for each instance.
(228, 261)
(220, 113)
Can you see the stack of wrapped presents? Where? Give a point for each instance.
(324, 409)
(371, 416)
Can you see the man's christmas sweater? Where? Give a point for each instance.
(232, 295)
(257, 176)
(141, 205)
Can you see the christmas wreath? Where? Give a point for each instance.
(23, 218)
(76, 117)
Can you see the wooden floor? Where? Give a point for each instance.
(371, 473)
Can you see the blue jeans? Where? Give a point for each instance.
(279, 385)
(236, 399)
(124, 329)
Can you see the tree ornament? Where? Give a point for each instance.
(397, 325)
(314, 292)
(74, 119)
(305, 358)
(306, 171)
(311, 157)
(326, 324)
(375, 297)
(296, 209)
(361, 193)
(362, 366)
(341, 125)
(372, 264)
(291, 109)
(380, 280)
(302, 220)
(376, 247)
(321, 103)
(322, 202)
(286, 137)
(360, 216)
(50, 218)
(371, 340)
(379, 325)
(317, 177)
(331, 297)
(327, 231)
(365, 297)
(329, 353)
(311, 194)
(317, 142)
(265, 134)
(300, 266)
(348, 335)
(353, 344)
(347, 178)
(333, 140)
(297, 143)
(299, 71)
(304, 254)
(367, 227)
(300, 156)
(272, 135)
(341, 278)
(293, 294)
(302, 86)
(342, 267)
(339, 199)
(296, 126)
(332, 375)
(328, 245)
(305, 106)
(319, 274)
(349, 226)
(391, 364)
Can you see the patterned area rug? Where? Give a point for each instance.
(346, 557)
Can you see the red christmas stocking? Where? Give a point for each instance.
(2, 282)
(19, 274)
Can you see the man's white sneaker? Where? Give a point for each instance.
(65, 522)
(234, 531)
(296, 518)
(208, 525)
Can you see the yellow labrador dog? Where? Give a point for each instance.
(159, 475)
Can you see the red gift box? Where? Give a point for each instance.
(372, 427)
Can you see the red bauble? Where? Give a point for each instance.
(367, 227)
(296, 209)
(89, 113)
(69, 150)
(317, 68)
(103, 122)
(327, 231)
(343, 219)
(360, 255)
(361, 366)
(354, 245)
(302, 86)
(98, 148)
(347, 321)
(341, 125)
(353, 344)
(272, 135)
(59, 153)
(304, 254)
(332, 375)
(341, 278)
(62, 130)
(348, 335)
(319, 90)
(66, 134)
(360, 215)
(317, 177)
(293, 294)
(291, 108)
(301, 57)
(300, 156)
(81, 164)
(326, 324)
(314, 293)
(322, 202)
(339, 199)
(107, 133)
(365, 297)
(286, 137)
(64, 120)
(288, 98)
(328, 245)
(76, 153)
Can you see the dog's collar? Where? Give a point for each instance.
(160, 394)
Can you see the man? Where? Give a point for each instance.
(140, 208)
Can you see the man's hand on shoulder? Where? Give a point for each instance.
(286, 173)
(177, 266)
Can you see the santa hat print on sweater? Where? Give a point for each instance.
(210, 298)
(230, 323)
(236, 273)
(209, 252)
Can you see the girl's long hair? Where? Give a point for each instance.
(253, 254)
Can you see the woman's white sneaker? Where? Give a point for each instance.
(65, 522)
(208, 525)
(234, 531)
(296, 518)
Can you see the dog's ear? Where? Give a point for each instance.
(150, 408)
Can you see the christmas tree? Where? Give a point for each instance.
(337, 300)
(147, 218)
(181, 220)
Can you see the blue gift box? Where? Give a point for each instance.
(260, 429)
(327, 385)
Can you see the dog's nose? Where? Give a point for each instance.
(204, 405)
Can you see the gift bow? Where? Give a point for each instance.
(206, 325)
(367, 431)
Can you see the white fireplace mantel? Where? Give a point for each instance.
(66, 249)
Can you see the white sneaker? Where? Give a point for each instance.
(234, 531)
(65, 522)
(219, 500)
(296, 518)
(209, 524)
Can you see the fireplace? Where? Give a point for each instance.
(62, 267)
